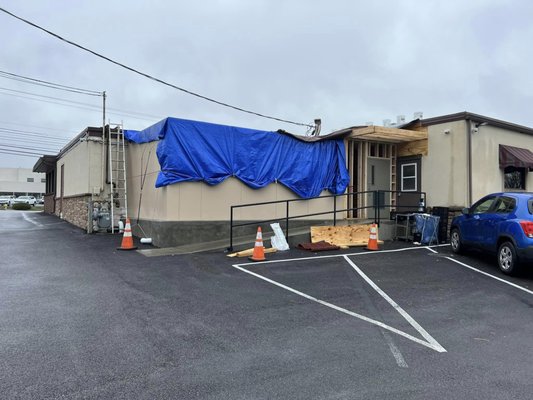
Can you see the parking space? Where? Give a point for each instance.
(81, 320)
(418, 297)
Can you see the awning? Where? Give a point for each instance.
(515, 157)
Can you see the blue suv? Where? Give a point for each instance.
(501, 223)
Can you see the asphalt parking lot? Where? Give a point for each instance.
(81, 320)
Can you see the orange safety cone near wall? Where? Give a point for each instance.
(259, 249)
(127, 239)
(373, 238)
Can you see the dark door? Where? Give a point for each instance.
(62, 188)
(408, 184)
(378, 178)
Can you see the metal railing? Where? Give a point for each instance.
(366, 200)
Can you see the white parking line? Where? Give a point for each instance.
(342, 255)
(400, 310)
(490, 276)
(432, 343)
(26, 218)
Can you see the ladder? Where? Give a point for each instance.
(117, 174)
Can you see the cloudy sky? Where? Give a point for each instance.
(347, 62)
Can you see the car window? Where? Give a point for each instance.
(530, 206)
(482, 206)
(504, 205)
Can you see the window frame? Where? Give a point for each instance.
(415, 176)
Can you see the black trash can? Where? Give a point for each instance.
(442, 212)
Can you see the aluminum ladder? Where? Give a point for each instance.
(117, 175)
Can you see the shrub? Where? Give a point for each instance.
(21, 206)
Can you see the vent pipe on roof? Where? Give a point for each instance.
(400, 119)
(418, 115)
(318, 125)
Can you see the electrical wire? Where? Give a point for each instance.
(150, 76)
(87, 106)
(52, 85)
(30, 133)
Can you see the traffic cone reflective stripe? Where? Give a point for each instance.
(259, 249)
(127, 239)
(373, 238)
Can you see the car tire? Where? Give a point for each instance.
(507, 259)
(455, 241)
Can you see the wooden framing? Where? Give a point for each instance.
(384, 134)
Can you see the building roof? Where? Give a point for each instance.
(45, 164)
(476, 118)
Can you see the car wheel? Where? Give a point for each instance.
(507, 260)
(455, 241)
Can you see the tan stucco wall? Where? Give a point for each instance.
(198, 201)
(83, 169)
(487, 177)
(444, 169)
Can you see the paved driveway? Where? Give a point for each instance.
(81, 320)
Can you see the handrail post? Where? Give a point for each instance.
(287, 219)
(230, 248)
(376, 205)
(379, 208)
(335, 210)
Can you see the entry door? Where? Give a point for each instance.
(378, 178)
(408, 184)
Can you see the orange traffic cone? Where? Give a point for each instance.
(373, 238)
(259, 250)
(127, 239)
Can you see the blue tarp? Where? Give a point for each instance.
(201, 151)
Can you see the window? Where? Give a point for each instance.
(43, 180)
(482, 206)
(504, 205)
(409, 177)
(29, 179)
(514, 178)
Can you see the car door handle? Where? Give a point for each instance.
(476, 216)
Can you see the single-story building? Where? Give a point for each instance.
(182, 177)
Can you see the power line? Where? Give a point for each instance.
(26, 148)
(36, 126)
(31, 133)
(84, 106)
(150, 76)
(52, 85)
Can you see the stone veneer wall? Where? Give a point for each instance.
(75, 210)
(49, 203)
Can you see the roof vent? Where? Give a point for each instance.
(400, 119)
(418, 115)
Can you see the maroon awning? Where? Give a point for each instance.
(515, 157)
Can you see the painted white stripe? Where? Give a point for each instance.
(490, 276)
(439, 349)
(430, 249)
(26, 218)
(397, 354)
(400, 310)
(341, 255)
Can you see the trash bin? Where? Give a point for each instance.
(442, 212)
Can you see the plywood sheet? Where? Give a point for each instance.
(350, 235)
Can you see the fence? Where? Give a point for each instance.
(358, 205)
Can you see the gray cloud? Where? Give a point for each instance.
(347, 62)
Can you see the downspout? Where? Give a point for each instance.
(469, 162)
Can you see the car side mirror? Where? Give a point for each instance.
(465, 211)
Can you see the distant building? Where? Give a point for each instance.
(21, 181)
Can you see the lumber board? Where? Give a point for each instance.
(249, 252)
(349, 235)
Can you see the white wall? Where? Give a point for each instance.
(15, 180)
